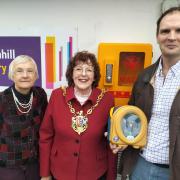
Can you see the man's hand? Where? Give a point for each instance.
(106, 134)
(46, 178)
(115, 149)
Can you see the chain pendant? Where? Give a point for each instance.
(79, 123)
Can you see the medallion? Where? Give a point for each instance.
(79, 122)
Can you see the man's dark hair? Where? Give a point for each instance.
(169, 11)
(84, 57)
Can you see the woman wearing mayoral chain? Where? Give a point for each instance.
(22, 107)
(72, 141)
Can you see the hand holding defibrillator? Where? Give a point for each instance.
(127, 126)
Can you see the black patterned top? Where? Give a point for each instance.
(19, 132)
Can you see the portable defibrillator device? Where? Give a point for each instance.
(120, 64)
(127, 126)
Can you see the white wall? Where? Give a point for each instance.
(132, 21)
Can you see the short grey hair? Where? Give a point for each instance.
(21, 59)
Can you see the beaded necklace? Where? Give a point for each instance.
(20, 106)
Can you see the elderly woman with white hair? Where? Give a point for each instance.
(22, 108)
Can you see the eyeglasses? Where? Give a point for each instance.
(20, 71)
(82, 70)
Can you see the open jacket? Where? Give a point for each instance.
(142, 97)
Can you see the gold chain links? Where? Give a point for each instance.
(89, 111)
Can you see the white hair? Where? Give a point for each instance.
(21, 59)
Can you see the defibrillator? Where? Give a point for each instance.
(127, 126)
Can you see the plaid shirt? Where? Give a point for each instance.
(165, 90)
(19, 132)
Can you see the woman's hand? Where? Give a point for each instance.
(46, 178)
(115, 149)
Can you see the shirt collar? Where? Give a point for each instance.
(69, 94)
(159, 69)
(175, 69)
(92, 98)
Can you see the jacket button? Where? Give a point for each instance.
(77, 141)
(75, 154)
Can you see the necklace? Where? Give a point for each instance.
(20, 105)
(80, 120)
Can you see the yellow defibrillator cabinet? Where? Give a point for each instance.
(120, 64)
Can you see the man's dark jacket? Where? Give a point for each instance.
(142, 97)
